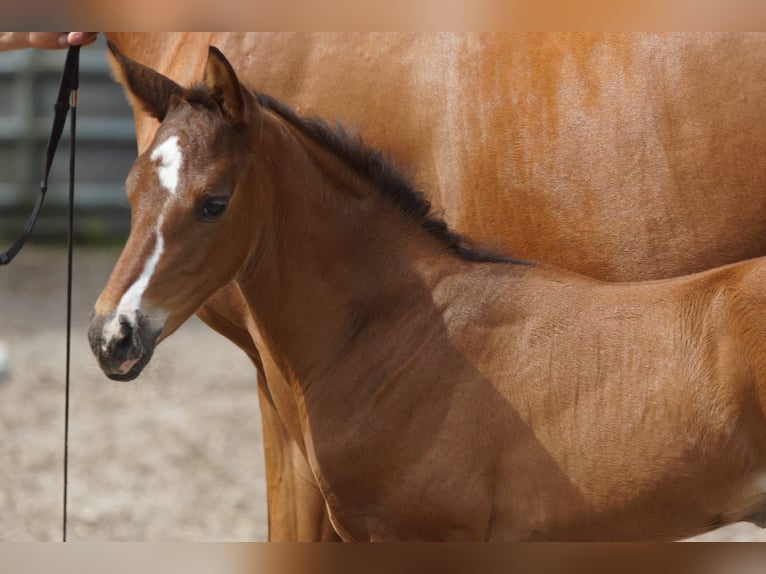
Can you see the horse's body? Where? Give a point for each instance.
(438, 392)
(619, 156)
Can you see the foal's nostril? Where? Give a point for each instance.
(125, 326)
(122, 342)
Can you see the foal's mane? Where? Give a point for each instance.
(375, 168)
(380, 170)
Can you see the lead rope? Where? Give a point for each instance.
(61, 107)
(70, 253)
(65, 102)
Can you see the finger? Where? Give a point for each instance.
(81, 38)
(45, 40)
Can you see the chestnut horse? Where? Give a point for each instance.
(619, 156)
(443, 392)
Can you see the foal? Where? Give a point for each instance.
(438, 392)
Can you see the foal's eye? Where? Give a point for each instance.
(211, 208)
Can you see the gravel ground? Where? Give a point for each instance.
(174, 456)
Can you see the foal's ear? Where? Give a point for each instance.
(223, 86)
(153, 91)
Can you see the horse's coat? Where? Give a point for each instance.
(620, 156)
(440, 394)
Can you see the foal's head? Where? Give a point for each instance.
(187, 209)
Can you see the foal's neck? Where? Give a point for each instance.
(342, 258)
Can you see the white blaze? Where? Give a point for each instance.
(130, 303)
(131, 299)
(169, 158)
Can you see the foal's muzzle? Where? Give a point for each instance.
(122, 344)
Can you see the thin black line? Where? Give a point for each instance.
(70, 253)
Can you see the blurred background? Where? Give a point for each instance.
(106, 146)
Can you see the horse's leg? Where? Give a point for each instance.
(296, 508)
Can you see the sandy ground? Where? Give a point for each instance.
(174, 456)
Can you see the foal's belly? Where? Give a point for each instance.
(695, 514)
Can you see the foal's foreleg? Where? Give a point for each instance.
(297, 510)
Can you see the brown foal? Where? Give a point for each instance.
(437, 391)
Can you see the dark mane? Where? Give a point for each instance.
(381, 172)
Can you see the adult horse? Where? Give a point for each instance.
(444, 393)
(619, 156)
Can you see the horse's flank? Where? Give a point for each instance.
(620, 156)
(438, 397)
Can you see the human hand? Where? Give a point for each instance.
(45, 40)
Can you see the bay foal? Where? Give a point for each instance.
(441, 392)
(621, 156)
